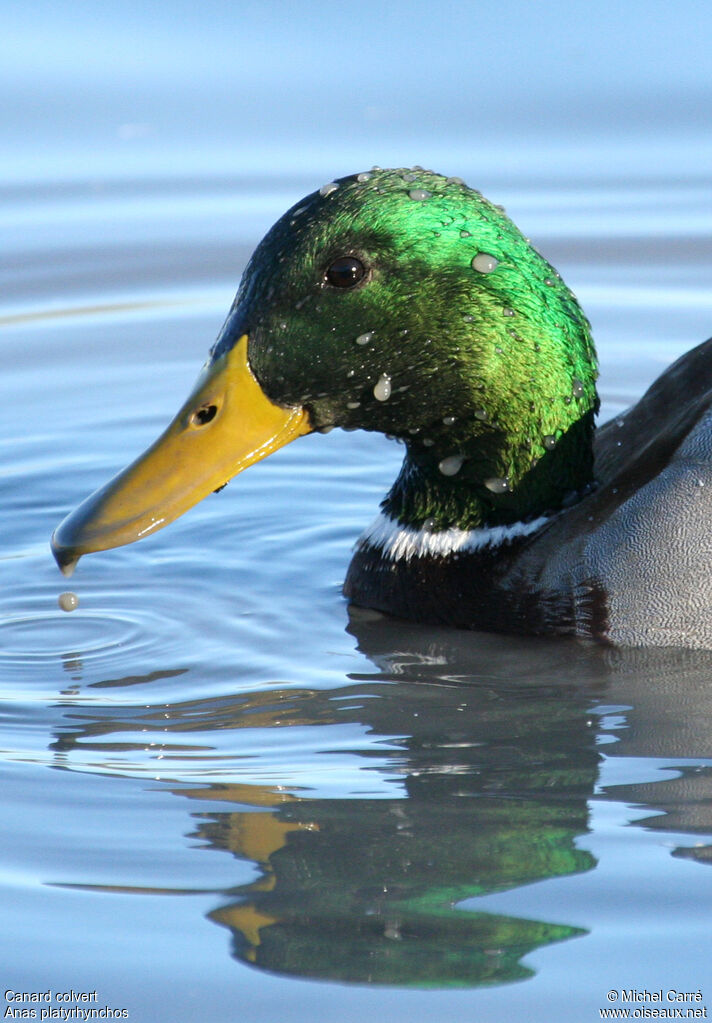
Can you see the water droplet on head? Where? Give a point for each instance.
(549, 282)
(465, 234)
(481, 414)
(484, 263)
(507, 312)
(497, 484)
(451, 465)
(429, 525)
(353, 404)
(363, 339)
(468, 318)
(577, 389)
(382, 390)
(448, 420)
(427, 442)
(419, 194)
(549, 441)
(327, 189)
(363, 177)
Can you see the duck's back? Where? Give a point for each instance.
(643, 541)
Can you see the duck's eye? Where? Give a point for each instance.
(345, 272)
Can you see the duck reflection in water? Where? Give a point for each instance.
(492, 776)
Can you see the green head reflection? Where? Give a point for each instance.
(367, 890)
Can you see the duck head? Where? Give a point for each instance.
(397, 301)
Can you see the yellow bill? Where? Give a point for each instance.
(226, 425)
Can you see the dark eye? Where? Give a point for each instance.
(345, 272)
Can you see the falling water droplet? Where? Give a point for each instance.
(484, 263)
(68, 601)
(382, 390)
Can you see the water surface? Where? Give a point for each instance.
(221, 787)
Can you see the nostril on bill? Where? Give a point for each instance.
(203, 415)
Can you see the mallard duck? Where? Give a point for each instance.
(405, 302)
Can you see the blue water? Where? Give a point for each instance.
(224, 793)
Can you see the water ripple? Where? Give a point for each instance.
(40, 638)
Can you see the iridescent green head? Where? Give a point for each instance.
(399, 301)
(405, 302)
